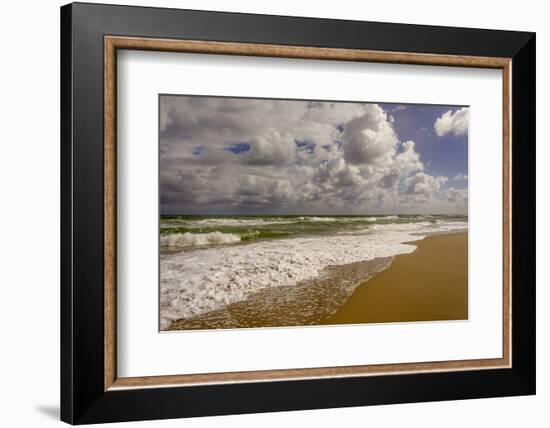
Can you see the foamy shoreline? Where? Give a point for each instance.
(202, 280)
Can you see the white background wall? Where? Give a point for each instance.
(29, 214)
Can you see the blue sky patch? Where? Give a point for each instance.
(238, 148)
(447, 155)
(305, 145)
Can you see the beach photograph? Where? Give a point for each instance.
(288, 213)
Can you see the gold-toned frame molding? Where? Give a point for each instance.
(113, 43)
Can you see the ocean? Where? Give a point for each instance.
(209, 262)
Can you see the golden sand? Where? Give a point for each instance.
(428, 284)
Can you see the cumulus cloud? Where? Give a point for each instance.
(250, 156)
(460, 177)
(453, 194)
(450, 122)
(369, 138)
(424, 184)
(272, 148)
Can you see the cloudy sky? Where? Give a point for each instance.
(256, 156)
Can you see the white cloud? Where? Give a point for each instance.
(408, 160)
(452, 122)
(424, 184)
(460, 177)
(453, 194)
(272, 148)
(369, 138)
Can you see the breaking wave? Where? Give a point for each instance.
(188, 239)
(189, 231)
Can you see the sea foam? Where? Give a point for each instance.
(194, 239)
(201, 280)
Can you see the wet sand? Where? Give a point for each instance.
(307, 303)
(426, 285)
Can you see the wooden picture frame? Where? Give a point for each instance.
(91, 390)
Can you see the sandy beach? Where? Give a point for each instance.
(428, 284)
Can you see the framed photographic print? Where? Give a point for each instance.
(316, 212)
